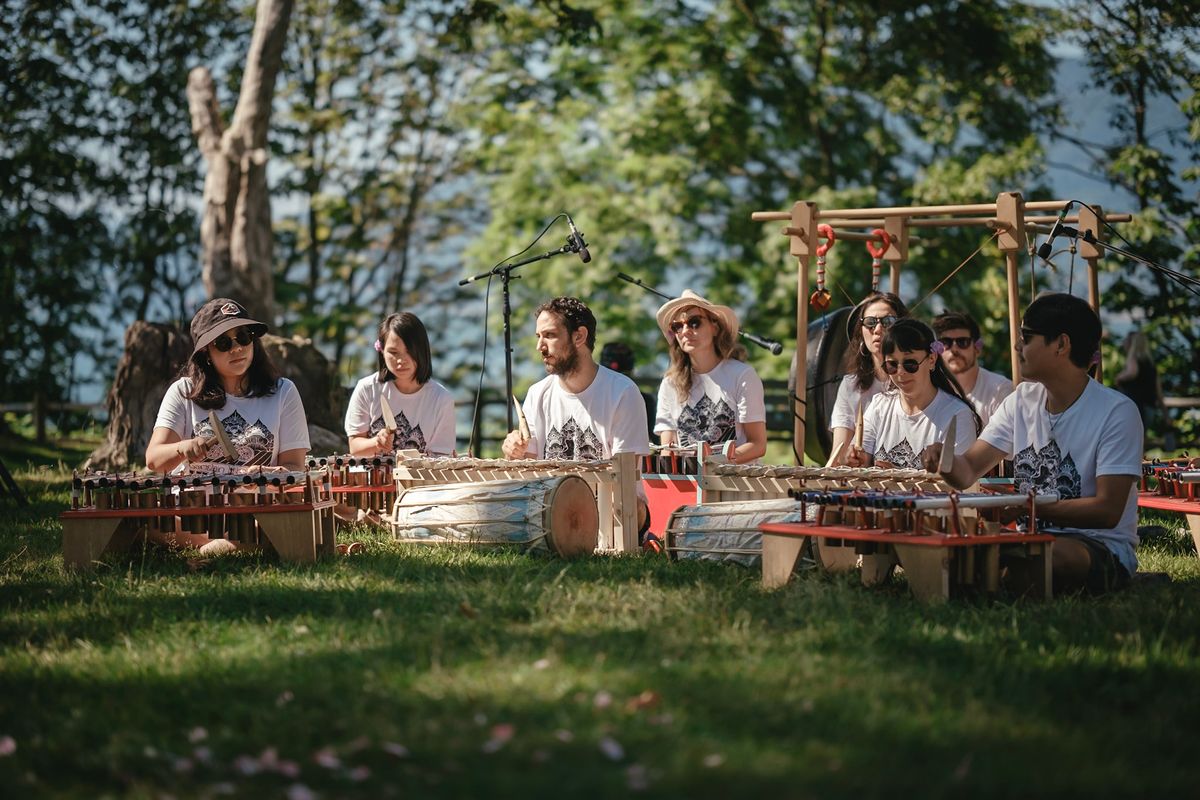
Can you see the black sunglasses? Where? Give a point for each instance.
(891, 366)
(870, 322)
(243, 337)
(961, 342)
(694, 322)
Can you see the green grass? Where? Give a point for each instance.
(144, 679)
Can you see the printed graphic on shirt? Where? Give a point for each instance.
(707, 421)
(1046, 470)
(255, 444)
(573, 443)
(406, 437)
(901, 456)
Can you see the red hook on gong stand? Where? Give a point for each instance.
(877, 254)
(820, 299)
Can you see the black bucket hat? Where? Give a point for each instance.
(218, 316)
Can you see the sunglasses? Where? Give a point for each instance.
(961, 342)
(243, 337)
(693, 322)
(1027, 334)
(870, 322)
(891, 366)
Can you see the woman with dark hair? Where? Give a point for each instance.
(423, 409)
(230, 373)
(865, 377)
(899, 423)
(707, 395)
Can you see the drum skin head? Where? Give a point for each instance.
(574, 521)
(827, 345)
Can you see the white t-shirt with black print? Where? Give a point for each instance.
(849, 397)
(1099, 434)
(606, 418)
(424, 419)
(989, 391)
(260, 427)
(898, 438)
(718, 407)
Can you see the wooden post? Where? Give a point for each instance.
(803, 244)
(1089, 220)
(897, 254)
(1010, 214)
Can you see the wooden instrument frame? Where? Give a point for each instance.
(1009, 215)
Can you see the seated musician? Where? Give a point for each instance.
(423, 409)
(230, 373)
(580, 411)
(1066, 433)
(706, 395)
(960, 336)
(865, 377)
(900, 422)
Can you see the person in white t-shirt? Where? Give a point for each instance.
(900, 422)
(580, 411)
(960, 336)
(423, 408)
(230, 373)
(864, 378)
(1067, 434)
(707, 396)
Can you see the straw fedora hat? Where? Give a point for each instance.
(690, 299)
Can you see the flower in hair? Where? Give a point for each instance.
(378, 346)
(937, 348)
(1096, 357)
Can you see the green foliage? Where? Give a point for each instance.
(676, 121)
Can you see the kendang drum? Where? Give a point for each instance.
(553, 514)
(726, 531)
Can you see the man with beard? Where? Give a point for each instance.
(959, 333)
(1066, 433)
(580, 411)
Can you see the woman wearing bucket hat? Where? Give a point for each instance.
(865, 377)
(707, 396)
(230, 373)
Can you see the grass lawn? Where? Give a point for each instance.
(410, 672)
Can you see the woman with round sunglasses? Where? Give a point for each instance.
(230, 373)
(865, 377)
(708, 395)
(422, 408)
(901, 422)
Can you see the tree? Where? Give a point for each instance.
(672, 122)
(235, 231)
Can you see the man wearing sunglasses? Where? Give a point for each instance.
(1068, 434)
(959, 334)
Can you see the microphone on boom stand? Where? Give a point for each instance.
(1045, 248)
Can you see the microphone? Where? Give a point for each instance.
(576, 240)
(1044, 250)
(767, 344)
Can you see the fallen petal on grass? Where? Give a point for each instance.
(298, 791)
(327, 758)
(541, 663)
(602, 699)
(612, 748)
(8, 746)
(713, 760)
(636, 778)
(564, 735)
(197, 734)
(395, 749)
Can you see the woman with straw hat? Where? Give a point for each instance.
(706, 395)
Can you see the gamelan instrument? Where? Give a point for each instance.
(290, 510)
(612, 484)
(361, 482)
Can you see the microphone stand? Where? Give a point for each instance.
(767, 344)
(505, 271)
(1086, 236)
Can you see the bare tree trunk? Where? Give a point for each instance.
(235, 231)
(153, 356)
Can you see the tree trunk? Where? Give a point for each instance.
(235, 230)
(154, 354)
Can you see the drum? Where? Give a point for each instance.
(822, 374)
(728, 531)
(553, 514)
